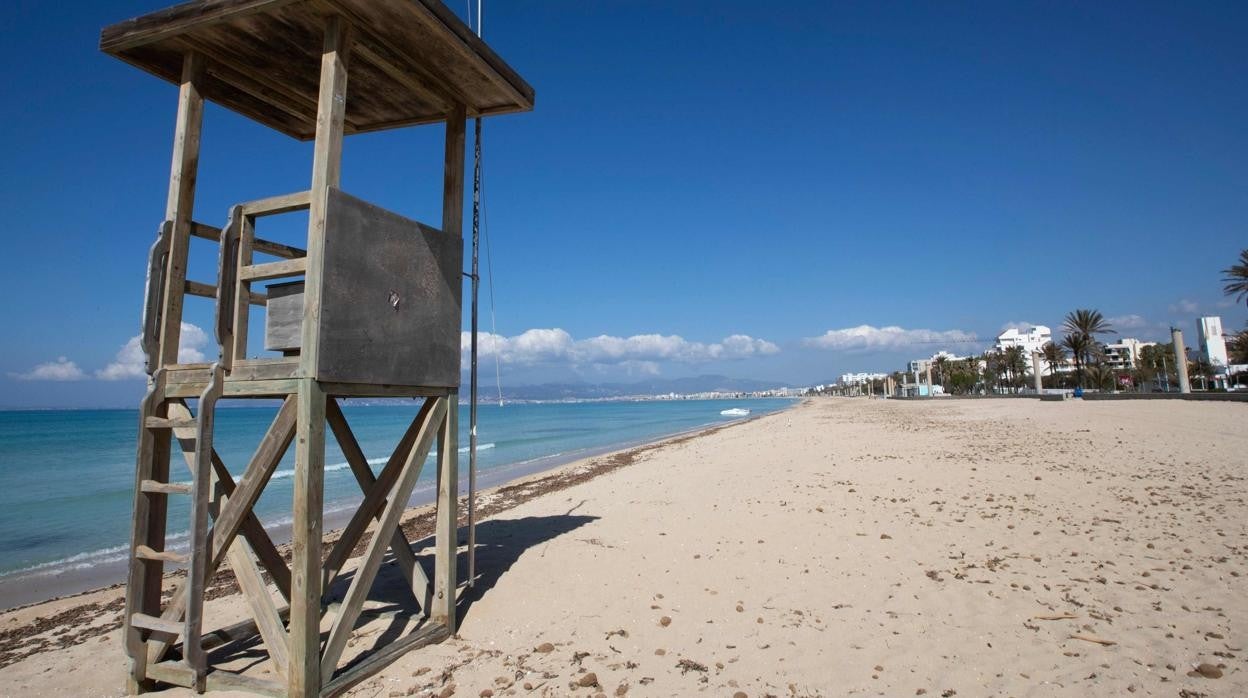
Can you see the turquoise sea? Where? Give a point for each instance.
(67, 476)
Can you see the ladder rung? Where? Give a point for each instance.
(165, 423)
(146, 552)
(205, 231)
(273, 270)
(277, 249)
(203, 290)
(154, 624)
(282, 203)
(165, 487)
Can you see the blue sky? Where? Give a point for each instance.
(702, 188)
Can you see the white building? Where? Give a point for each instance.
(860, 378)
(920, 365)
(1125, 355)
(1030, 339)
(1212, 343)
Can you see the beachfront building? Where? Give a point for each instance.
(1030, 339)
(1124, 355)
(920, 366)
(1212, 343)
(860, 378)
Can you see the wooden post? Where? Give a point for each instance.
(453, 174)
(326, 173)
(181, 202)
(447, 527)
(304, 678)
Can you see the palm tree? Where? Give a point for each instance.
(1015, 364)
(1080, 347)
(1236, 278)
(1201, 368)
(1054, 355)
(1088, 323)
(942, 365)
(1082, 326)
(1102, 376)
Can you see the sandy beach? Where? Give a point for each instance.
(846, 546)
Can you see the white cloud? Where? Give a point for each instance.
(60, 370)
(639, 352)
(1184, 306)
(1127, 322)
(129, 360)
(865, 337)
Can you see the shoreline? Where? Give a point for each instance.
(23, 623)
(61, 578)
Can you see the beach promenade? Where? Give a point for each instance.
(843, 547)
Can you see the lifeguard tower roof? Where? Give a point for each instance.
(411, 63)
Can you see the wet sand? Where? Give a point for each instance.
(994, 547)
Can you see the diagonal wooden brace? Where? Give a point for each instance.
(353, 603)
(236, 512)
(399, 545)
(376, 493)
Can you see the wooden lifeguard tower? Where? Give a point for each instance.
(377, 313)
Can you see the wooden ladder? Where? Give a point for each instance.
(150, 628)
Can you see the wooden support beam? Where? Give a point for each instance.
(446, 528)
(273, 205)
(242, 291)
(143, 586)
(453, 174)
(238, 515)
(370, 563)
(277, 249)
(375, 661)
(376, 491)
(180, 202)
(272, 270)
(256, 593)
(303, 680)
(399, 545)
(326, 173)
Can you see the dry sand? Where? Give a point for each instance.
(990, 547)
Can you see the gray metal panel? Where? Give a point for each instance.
(390, 301)
(283, 316)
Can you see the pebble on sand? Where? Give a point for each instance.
(665, 621)
(544, 648)
(1209, 671)
(588, 680)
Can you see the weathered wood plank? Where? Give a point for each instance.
(446, 544)
(277, 249)
(366, 572)
(453, 173)
(375, 497)
(273, 205)
(399, 545)
(273, 270)
(263, 462)
(376, 661)
(180, 202)
(256, 593)
(175, 20)
(326, 173)
(304, 676)
(242, 289)
(143, 586)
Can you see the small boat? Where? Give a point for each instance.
(735, 412)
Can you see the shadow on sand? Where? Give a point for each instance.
(500, 543)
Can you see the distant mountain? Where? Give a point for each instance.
(657, 386)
